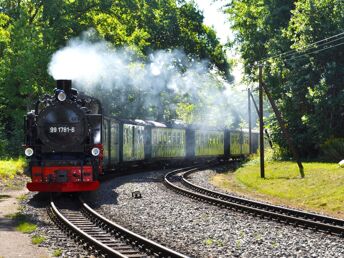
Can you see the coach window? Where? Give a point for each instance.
(169, 137)
(126, 135)
(153, 137)
(161, 137)
(165, 137)
(158, 137)
(141, 135)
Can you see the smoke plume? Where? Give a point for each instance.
(122, 79)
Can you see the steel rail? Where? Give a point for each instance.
(141, 241)
(300, 218)
(142, 244)
(254, 203)
(75, 230)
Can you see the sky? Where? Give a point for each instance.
(216, 18)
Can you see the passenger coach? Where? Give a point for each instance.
(136, 141)
(69, 142)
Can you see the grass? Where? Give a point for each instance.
(36, 239)
(10, 168)
(210, 241)
(26, 227)
(22, 197)
(57, 253)
(23, 223)
(322, 189)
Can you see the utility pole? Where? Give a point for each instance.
(249, 120)
(285, 131)
(257, 111)
(261, 122)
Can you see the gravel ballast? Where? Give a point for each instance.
(202, 230)
(35, 207)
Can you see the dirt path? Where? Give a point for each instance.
(14, 244)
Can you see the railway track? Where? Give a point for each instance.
(178, 181)
(99, 235)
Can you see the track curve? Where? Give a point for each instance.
(282, 214)
(101, 236)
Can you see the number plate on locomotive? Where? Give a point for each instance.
(61, 129)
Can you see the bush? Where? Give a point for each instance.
(3, 144)
(332, 150)
(10, 168)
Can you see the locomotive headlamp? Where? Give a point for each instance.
(61, 96)
(95, 151)
(28, 152)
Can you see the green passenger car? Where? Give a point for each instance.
(133, 142)
(209, 143)
(245, 143)
(235, 142)
(168, 142)
(114, 142)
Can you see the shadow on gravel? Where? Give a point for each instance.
(4, 196)
(39, 200)
(95, 200)
(7, 224)
(224, 168)
(107, 194)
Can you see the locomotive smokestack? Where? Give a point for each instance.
(65, 85)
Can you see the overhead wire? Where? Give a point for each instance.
(313, 52)
(323, 45)
(316, 46)
(307, 47)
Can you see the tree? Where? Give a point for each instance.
(307, 86)
(31, 31)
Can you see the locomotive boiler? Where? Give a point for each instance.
(63, 141)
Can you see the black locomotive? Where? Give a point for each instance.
(70, 143)
(63, 141)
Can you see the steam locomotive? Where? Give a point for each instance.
(70, 143)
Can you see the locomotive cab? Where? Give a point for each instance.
(63, 141)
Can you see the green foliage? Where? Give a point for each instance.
(23, 223)
(10, 168)
(308, 90)
(210, 242)
(26, 227)
(332, 149)
(36, 239)
(57, 252)
(31, 31)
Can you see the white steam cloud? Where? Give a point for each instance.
(95, 66)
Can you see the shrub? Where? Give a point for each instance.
(36, 239)
(9, 168)
(332, 150)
